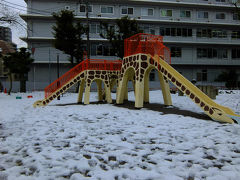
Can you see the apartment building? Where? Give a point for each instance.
(5, 34)
(203, 35)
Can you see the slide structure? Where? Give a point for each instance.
(211, 108)
(101, 71)
(142, 53)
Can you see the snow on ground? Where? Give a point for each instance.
(65, 140)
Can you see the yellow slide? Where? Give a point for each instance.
(212, 109)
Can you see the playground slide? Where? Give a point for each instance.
(212, 109)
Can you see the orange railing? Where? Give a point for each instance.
(89, 64)
(147, 44)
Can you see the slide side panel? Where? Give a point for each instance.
(212, 109)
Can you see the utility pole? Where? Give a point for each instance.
(88, 41)
(87, 28)
(49, 65)
(58, 83)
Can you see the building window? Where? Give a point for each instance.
(236, 53)
(148, 29)
(220, 15)
(166, 12)
(184, 32)
(176, 52)
(107, 9)
(127, 10)
(147, 11)
(101, 50)
(82, 8)
(209, 33)
(185, 13)
(212, 53)
(235, 34)
(202, 14)
(202, 76)
(95, 28)
(236, 16)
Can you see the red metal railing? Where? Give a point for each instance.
(89, 64)
(148, 44)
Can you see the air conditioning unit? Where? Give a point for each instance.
(99, 15)
(139, 17)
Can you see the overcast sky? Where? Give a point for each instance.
(17, 31)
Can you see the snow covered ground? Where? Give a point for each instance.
(65, 140)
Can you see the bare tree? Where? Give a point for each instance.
(236, 3)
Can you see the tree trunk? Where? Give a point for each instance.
(22, 83)
(23, 86)
(10, 79)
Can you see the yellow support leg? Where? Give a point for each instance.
(108, 94)
(87, 94)
(99, 89)
(120, 92)
(139, 86)
(146, 89)
(126, 92)
(165, 90)
(80, 91)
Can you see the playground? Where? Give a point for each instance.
(142, 53)
(140, 134)
(66, 140)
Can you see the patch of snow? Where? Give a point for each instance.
(65, 140)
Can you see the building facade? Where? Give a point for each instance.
(203, 35)
(5, 34)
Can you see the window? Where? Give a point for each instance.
(82, 8)
(148, 29)
(176, 52)
(223, 54)
(147, 11)
(220, 16)
(212, 53)
(202, 76)
(202, 14)
(94, 28)
(166, 12)
(209, 33)
(185, 13)
(235, 34)
(101, 50)
(127, 10)
(236, 16)
(107, 9)
(184, 32)
(236, 53)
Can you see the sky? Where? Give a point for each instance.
(17, 31)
